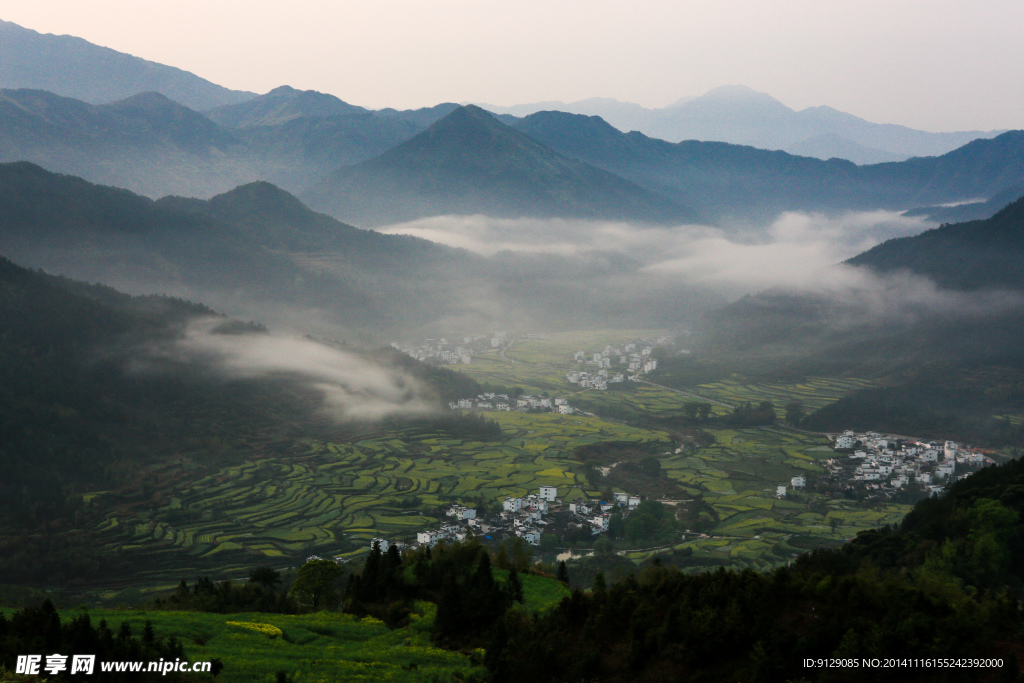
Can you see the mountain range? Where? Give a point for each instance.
(350, 162)
(723, 180)
(257, 252)
(742, 116)
(73, 67)
(470, 163)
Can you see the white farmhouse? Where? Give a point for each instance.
(950, 449)
(529, 534)
(461, 513)
(845, 441)
(580, 507)
(428, 537)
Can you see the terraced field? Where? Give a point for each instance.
(633, 401)
(332, 498)
(737, 477)
(337, 496)
(814, 392)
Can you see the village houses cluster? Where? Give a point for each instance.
(527, 518)
(523, 403)
(884, 464)
(634, 359)
(459, 350)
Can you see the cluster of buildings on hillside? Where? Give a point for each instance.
(443, 351)
(459, 350)
(885, 465)
(522, 403)
(527, 518)
(633, 358)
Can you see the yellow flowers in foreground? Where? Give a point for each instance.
(269, 630)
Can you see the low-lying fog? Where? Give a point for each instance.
(554, 274)
(352, 387)
(797, 250)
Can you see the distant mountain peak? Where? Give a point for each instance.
(283, 103)
(470, 162)
(466, 135)
(738, 95)
(284, 90)
(147, 97)
(73, 67)
(468, 127)
(262, 197)
(469, 112)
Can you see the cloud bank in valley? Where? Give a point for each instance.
(797, 251)
(353, 388)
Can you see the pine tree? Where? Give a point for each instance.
(514, 588)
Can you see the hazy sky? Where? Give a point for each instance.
(931, 64)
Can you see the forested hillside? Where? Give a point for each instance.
(982, 254)
(944, 584)
(935, 319)
(99, 391)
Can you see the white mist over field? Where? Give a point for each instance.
(796, 251)
(353, 388)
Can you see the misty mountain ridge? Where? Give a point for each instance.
(258, 253)
(281, 105)
(961, 212)
(146, 142)
(934, 319)
(73, 67)
(981, 254)
(743, 116)
(179, 247)
(726, 181)
(469, 163)
(157, 147)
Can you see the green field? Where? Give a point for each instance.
(323, 646)
(335, 497)
(332, 498)
(813, 392)
(737, 477)
(631, 401)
